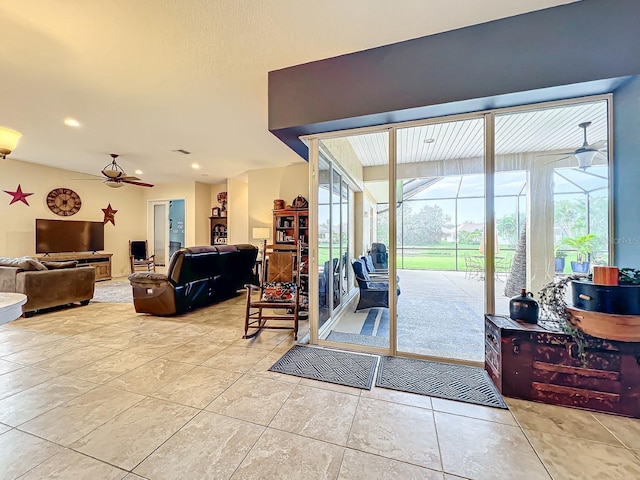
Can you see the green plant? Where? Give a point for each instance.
(561, 253)
(584, 245)
(553, 306)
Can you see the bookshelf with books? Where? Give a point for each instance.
(291, 227)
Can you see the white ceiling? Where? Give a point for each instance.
(145, 77)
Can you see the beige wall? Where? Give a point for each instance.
(237, 211)
(267, 184)
(202, 213)
(17, 232)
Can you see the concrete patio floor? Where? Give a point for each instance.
(440, 314)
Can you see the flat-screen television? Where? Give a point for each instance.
(55, 236)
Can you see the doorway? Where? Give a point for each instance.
(166, 228)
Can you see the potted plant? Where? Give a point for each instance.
(584, 245)
(559, 261)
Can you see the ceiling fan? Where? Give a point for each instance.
(587, 152)
(116, 176)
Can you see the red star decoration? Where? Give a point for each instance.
(18, 196)
(109, 215)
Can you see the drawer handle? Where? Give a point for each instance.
(584, 297)
(516, 346)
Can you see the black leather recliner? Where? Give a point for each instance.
(196, 277)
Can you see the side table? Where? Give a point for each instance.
(11, 306)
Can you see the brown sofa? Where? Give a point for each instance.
(46, 284)
(196, 277)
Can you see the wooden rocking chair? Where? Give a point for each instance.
(279, 289)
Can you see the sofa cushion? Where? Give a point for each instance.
(148, 280)
(279, 292)
(23, 263)
(58, 265)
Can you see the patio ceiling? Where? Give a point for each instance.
(544, 130)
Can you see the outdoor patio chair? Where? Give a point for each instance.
(279, 290)
(379, 256)
(376, 275)
(372, 294)
(473, 267)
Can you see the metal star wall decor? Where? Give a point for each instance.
(18, 196)
(109, 215)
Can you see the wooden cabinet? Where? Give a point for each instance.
(291, 226)
(100, 261)
(534, 362)
(218, 227)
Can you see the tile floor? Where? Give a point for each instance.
(99, 392)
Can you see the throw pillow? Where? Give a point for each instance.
(59, 265)
(279, 292)
(23, 263)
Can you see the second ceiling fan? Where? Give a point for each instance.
(587, 152)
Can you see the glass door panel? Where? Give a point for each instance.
(548, 207)
(353, 315)
(439, 232)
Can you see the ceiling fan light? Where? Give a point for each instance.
(585, 158)
(113, 184)
(8, 140)
(112, 172)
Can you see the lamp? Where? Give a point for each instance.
(585, 157)
(8, 141)
(261, 233)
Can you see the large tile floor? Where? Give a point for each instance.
(99, 392)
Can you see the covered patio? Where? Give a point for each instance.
(440, 314)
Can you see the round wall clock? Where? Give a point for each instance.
(64, 202)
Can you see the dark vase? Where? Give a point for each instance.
(559, 265)
(524, 308)
(582, 267)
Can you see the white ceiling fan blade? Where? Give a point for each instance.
(568, 152)
(557, 160)
(599, 145)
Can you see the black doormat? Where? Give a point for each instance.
(443, 380)
(350, 369)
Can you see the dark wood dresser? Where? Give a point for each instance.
(536, 362)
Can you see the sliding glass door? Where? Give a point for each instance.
(424, 227)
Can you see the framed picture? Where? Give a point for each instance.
(215, 212)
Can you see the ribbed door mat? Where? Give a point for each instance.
(443, 380)
(350, 369)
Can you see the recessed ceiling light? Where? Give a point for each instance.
(429, 140)
(138, 172)
(71, 122)
(195, 166)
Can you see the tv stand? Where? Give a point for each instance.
(100, 261)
